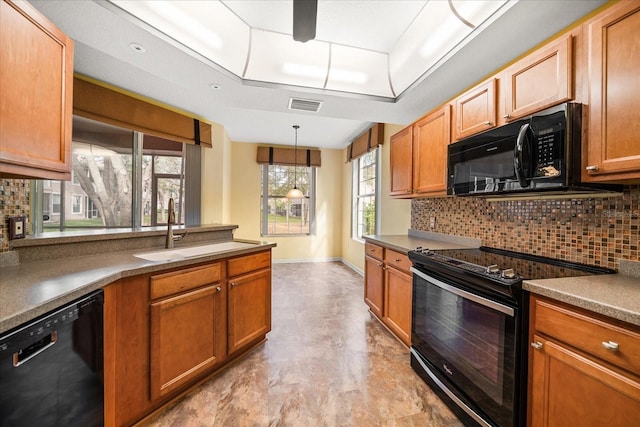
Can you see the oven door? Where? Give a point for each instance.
(467, 345)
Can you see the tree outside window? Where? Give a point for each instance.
(283, 216)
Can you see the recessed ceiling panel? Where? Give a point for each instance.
(278, 58)
(359, 71)
(206, 27)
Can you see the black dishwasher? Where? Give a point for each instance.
(51, 368)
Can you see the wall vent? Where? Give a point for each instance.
(304, 104)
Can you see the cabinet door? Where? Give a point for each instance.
(540, 80)
(431, 136)
(36, 82)
(401, 162)
(397, 309)
(567, 388)
(613, 151)
(475, 111)
(373, 285)
(249, 309)
(187, 338)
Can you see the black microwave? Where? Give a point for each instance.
(537, 153)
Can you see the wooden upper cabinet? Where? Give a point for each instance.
(475, 110)
(540, 80)
(613, 149)
(401, 146)
(431, 136)
(36, 82)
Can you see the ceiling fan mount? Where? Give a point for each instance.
(305, 14)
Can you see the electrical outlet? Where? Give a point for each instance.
(17, 225)
(432, 222)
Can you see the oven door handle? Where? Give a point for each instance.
(509, 311)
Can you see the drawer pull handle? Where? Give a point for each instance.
(397, 260)
(537, 345)
(610, 345)
(372, 250)
(592, 168)
(488, 123)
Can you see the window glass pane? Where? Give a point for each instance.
(104, 174)
(283, 215)
(365, 181)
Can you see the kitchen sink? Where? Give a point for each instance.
(192, 251)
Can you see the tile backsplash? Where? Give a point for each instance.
(594, 231)
(14, 201)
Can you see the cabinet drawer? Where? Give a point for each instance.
(163, 285)
(373, 251)
(589, 334)
(397, 260)
(245, 264)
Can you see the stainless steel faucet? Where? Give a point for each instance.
(171, 239)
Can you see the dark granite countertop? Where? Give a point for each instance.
(30, 289)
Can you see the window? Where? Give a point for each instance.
(77, 204)
(365, 188)
(282, 216)
(55, 207)
(111, 187)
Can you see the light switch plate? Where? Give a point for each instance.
(17, 226)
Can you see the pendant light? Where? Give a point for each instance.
(294, 193)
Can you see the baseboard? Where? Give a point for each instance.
(352, 266)
(303, 260)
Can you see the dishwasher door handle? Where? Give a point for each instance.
(34, 349)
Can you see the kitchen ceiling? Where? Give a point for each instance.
(116, 47)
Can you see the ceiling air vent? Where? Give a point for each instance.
(304, 104)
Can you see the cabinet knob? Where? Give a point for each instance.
(611, 345)
(537, 345)
(218, 289)
(488, 123)
(233, 284)
(379, 264)
(506, 116)
(397, 260)
(372, 250)
(592, 168)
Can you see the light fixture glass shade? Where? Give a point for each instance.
(294, 193)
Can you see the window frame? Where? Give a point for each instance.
(264, 200)
(355, 193)
(190, 183)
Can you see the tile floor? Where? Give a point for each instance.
(327, 362)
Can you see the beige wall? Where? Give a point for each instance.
(231, 195)
(395, 214)
(216, 179)
(245, 206)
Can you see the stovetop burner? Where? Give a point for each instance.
(504, 267)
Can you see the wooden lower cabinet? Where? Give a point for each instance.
(165, 331)
(249, 309)
(188, 337)
(573, 378)
(398, 287)
(388, 288)
(374, 285)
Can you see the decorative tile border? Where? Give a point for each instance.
(597, 231)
